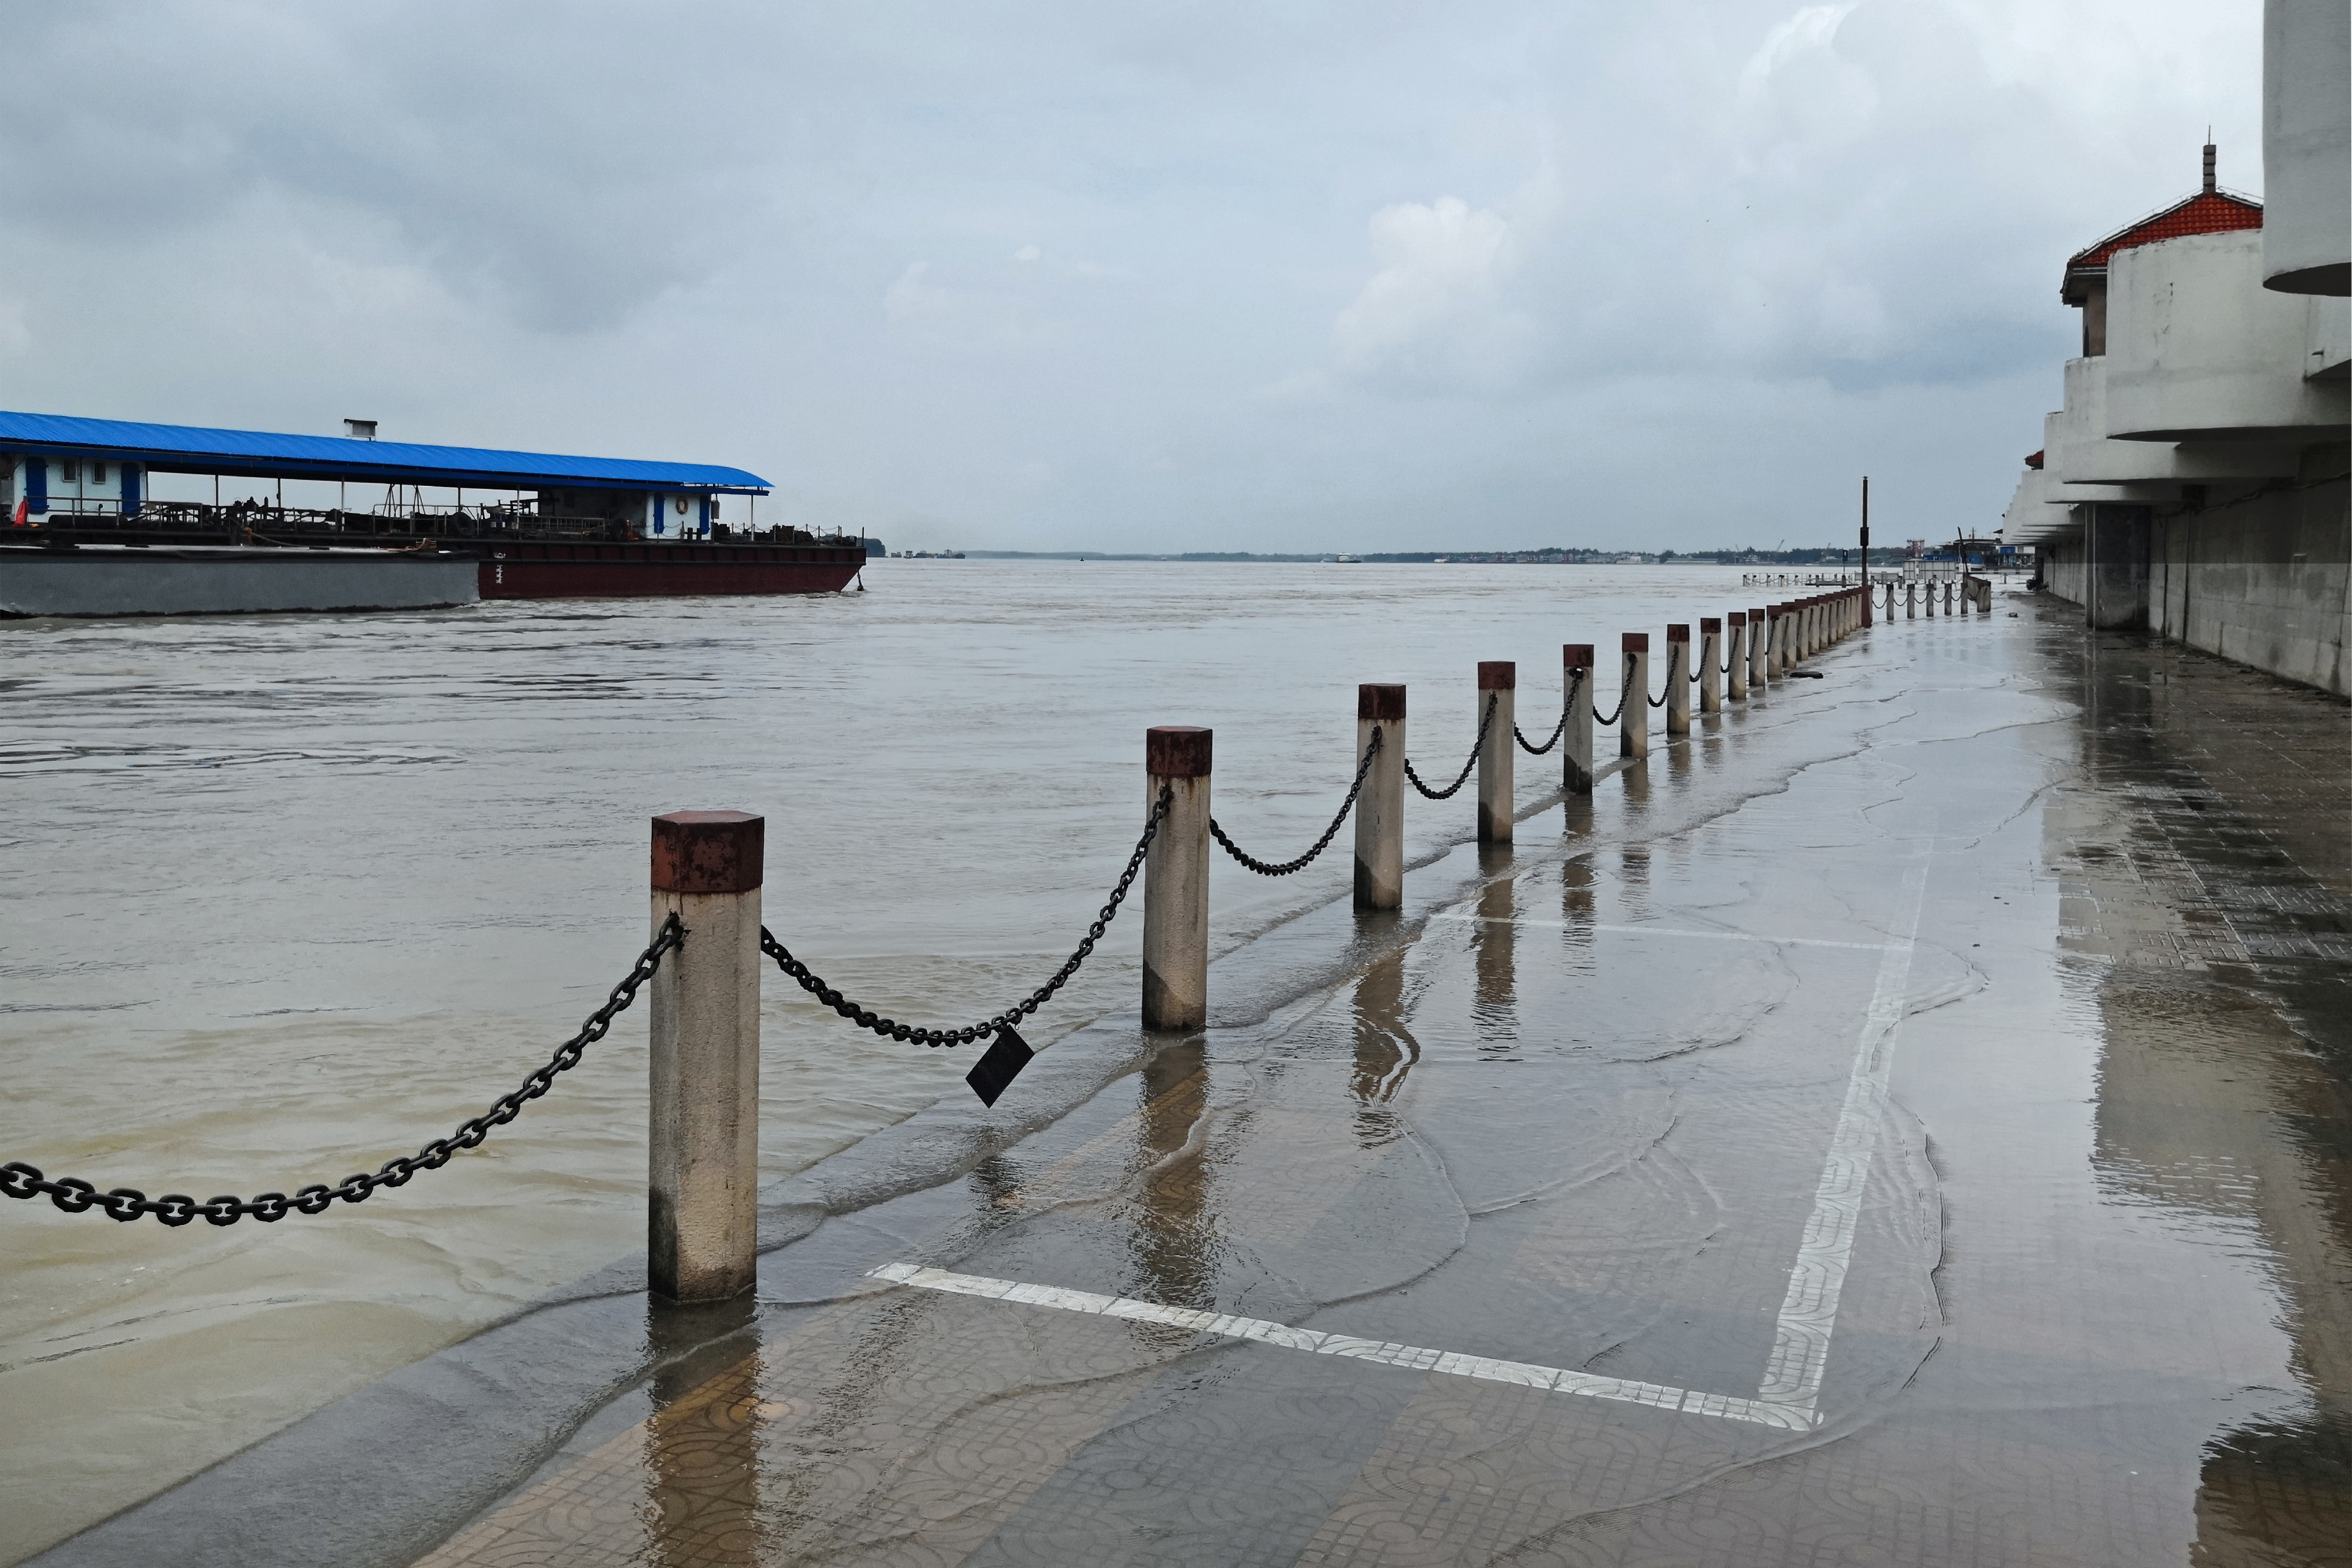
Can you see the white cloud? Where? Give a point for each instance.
(911, 297)
(1434, 314)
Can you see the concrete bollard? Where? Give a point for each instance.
(1380, 809)
(1576, 739)
(1931, 602)
(1760, 629)
(1498, 679)
(1773, 632)
(1176, 879)
(1910, 602)
(1710, 667)
(1678, 679)
(702, 1221)
(1734, 633)
(1634, 698)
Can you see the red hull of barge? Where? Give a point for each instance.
(558, 569)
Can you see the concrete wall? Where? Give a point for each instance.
(2266, 581)
(2306, 146)
(2264, 578)
(2063, 573)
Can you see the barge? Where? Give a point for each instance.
(82, 513)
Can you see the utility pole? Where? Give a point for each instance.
(1865, 548)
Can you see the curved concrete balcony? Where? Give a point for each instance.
(2198, 350)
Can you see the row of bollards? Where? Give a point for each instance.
(1957, 597)
(1738, 654)
(702, 1220)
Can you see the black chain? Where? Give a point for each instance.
(866, 1018)
(1624, 686)
(1476, 747)
(74, 1196)
(1266, 868)
(1575, 679)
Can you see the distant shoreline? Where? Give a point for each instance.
(1890, 556)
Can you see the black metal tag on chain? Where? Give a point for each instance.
(993, 1073)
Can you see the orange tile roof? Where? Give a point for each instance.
(2206, 213)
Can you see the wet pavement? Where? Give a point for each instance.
(1906, 1124)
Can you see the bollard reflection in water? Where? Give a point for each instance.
(1385, 1051)
(702, 1446)
(1494, 1012)
(1173, 1264)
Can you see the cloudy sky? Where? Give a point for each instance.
(1265, 275)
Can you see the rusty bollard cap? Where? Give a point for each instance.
(1374, 702)
(1497, 676)
(1576, 655)
(708, 852)
(1177, 751)
(1637, 642)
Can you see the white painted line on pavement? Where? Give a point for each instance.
(1666, 930)
(1557, 1380)
(1790, 1395)
(1800, 1342)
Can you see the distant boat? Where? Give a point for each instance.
(1349, 558)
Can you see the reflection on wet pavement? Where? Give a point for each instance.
(1633, 1117)
(1941, 1155)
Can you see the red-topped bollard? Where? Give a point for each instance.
(1634, 698)
(1758, 654)
(1735, 643)
(1176, 879)
(1575, 735)
(1498, 681)
(703, 1161)
(1379, 809)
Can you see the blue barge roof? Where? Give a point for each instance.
(192, 449)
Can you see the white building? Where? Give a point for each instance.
(2194, 483)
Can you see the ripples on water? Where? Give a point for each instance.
(291, 894)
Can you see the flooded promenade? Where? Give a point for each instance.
(1905, 1121)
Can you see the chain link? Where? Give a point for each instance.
(76, 1196)
(1477, 745)
(1624, 686)
(1266, 868)
(866, 1018)
(1575, 679)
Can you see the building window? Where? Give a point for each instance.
(68, 472)
(98, 473)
